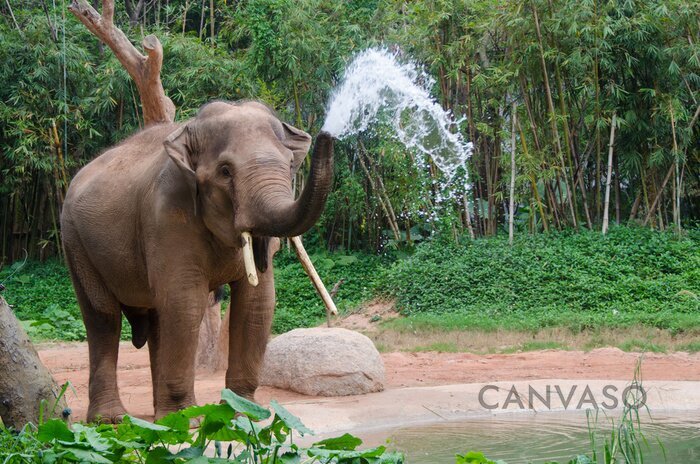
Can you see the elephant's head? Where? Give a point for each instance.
(240, 160)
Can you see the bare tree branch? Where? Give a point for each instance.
(144, 70)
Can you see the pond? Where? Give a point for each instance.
(537, 438)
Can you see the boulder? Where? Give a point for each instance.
(323, 361)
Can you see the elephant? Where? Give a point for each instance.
(154, 224)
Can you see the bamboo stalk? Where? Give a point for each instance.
(12, 14)
(552, 116)
(532, 179)
(676, 179)
(511, 210)
(468, 216)
(315, 279)
(382, 190)
(568, 141)
(655, 203)
(201, 20)
(606, 206)
(184, 15)
(635, 206)
(392, 224)
(211, 20)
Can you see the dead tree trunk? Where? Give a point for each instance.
(143, 69)
(24, 381)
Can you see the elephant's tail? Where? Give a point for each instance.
(139, 321)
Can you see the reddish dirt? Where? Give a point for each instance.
(69, 362)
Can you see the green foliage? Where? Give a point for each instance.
(632, 275)
(637, 59)
(170, 439)
(298, 305)
(577, 280)
(43, 298)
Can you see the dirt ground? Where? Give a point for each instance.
(69, 362)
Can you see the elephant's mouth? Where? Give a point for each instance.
(248, 259)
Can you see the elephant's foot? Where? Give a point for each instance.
(168, 407)
(244, 389)
(110, 413)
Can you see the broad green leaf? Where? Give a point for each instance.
(175, 421)
(474, 457)
(289, 419)
(140, 423)
(54, 429)
(147, 431)
(159, 455)
(213, 411)
(82, 455)
(244, 406)
(346, 454)
(290, 457)
(190, 453)
(344, 442)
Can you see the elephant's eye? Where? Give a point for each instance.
(225, 171)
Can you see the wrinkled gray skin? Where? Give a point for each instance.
(154, 224)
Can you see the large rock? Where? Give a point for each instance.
(323, 361)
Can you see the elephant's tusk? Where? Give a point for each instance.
(248, 259)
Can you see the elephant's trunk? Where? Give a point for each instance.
(289, 218)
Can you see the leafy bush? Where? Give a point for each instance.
(170, 440)
(42, 297)
(632, 275)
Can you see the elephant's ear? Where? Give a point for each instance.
(178, 149)
(298, 141)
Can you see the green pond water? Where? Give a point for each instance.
(537, 438)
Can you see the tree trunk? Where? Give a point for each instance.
(26, 386)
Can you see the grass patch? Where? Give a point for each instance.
(542, 345)
(440, 347)
(504, 341)
(692, 347)
(641, 346)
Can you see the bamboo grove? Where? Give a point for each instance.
(589, 107)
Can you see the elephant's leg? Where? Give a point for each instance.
(178, 330)
(153, 338)
(102, 317)
(250, 322)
